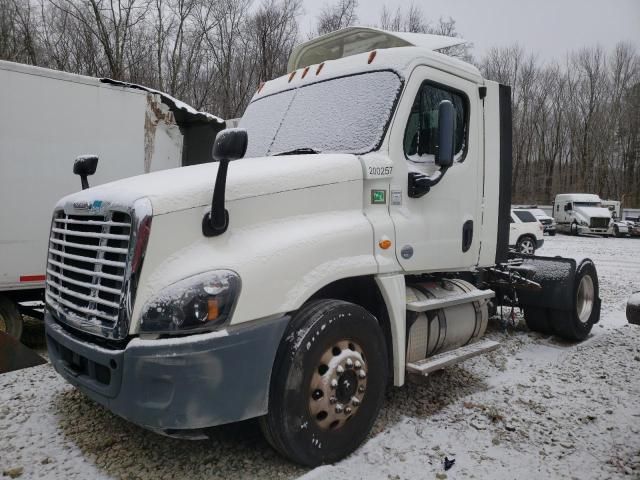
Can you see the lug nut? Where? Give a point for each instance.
(349, 363)
(340, 369)
(334, 383)
(362, 374)
(347, 411)
(355, 401)
(361, 388)
(333, 400)
(358, 365)
(339, 408)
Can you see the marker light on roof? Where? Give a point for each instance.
(372, 55)
(319, 69)
(291, 75)
(260, 87)
(304, 72)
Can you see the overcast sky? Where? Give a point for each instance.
(549, 28)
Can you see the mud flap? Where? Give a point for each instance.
(556, 276)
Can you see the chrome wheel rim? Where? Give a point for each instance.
(585, 299)
(338, 385)
(527, 247)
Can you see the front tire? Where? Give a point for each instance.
(328, 383)
(576, 323)
(574, 229)
(10, 318)
(526, 245)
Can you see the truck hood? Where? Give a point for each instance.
(188, 187)
(593, 212)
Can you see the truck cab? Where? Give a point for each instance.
(578, 213)
(351, 233)
(618, 226)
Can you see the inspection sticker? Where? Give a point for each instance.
(378, 196)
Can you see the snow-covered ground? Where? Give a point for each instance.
(535, 408)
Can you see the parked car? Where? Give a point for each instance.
(548, 223)
(633, 224)
(526, 234)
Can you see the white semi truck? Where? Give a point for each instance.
(354, 230)
(48, 118)
(578, 213)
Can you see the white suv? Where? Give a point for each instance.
(526, 234)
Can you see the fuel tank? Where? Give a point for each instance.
(437, 331)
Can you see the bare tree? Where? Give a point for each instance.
(339, 15)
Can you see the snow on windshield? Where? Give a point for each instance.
(346, 115)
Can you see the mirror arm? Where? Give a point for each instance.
(420, 184)
(216, 221)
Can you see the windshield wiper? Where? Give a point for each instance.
(298, 151)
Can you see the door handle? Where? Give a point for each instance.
(467, 235)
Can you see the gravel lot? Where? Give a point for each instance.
(536, 408)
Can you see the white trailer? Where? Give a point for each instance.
(578, 213)
(48, 119)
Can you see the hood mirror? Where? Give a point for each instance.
(230, 144)
(85, 166)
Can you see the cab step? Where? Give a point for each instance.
(442, 360)
(436, 303)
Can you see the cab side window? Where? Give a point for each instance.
(421, 133)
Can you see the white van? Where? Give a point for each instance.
(578, 213)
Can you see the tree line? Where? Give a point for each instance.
(576, 123)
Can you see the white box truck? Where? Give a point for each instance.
(47, 119)
(353, 231)
(578, 213)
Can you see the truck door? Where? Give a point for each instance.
(438, 231)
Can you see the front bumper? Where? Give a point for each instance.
(171, 384)
(551, 229)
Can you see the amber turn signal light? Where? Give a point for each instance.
(384, 244)
(212, 310)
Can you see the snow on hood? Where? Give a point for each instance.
(188, 187)
(594, 211)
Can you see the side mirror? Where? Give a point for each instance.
(85, 166)
(229, 145)
(446, 130)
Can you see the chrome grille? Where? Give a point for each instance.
(87, 265)
(599, 222)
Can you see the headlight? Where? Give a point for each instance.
(199, 303)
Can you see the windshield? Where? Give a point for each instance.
(587, 204)
(342, 115)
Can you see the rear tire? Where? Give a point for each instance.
(633, 309)
(574, 228)
(575, 323)
(526, 244)
(552, 233)
(328, 383)
(537, 320)
(10, 318)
